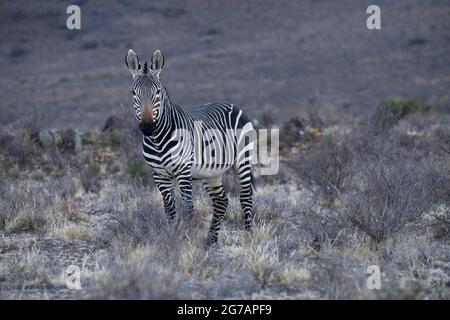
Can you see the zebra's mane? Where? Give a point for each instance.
(145, 71)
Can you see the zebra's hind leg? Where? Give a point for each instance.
(244, 175)
(166, 188)
(215, 189)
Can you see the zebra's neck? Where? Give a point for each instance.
(172, 117)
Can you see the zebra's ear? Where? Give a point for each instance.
(132, 62)
(157, 62)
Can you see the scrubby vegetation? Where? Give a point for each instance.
(346, 198)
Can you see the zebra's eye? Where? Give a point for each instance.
(133, 92)
(155, 113)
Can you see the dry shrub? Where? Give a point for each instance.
(275, 209)
(33, 267)
(139, 218)
(388, 194)
(334, 277)
(67, 211)
(325, 167)
(28, 205)
(294, 277)
(18, 143)
(271, 207)
(148, 257)
(257, 253)
(18, 146)
(22, 209)
(441, 139)
(375, 183)
(90, 177)
(418, 268)
(438, 222)
(71, 234)
(322, 227)
(137, 275)
(65, 187)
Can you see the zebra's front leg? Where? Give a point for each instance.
(214, 187)
(185, 182)
(165, 186)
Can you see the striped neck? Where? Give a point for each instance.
(164, 123)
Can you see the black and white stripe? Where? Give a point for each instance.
(184, 146)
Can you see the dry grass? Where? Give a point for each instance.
(351, 205)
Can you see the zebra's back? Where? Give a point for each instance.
(218, 130)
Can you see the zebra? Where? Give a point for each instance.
(184, 146)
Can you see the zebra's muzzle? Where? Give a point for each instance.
(146, 128)
(147, 124)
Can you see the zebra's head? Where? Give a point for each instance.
(147, 89)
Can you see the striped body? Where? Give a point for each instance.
(185, 146)
(210, 141)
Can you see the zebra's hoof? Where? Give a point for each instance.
(211, 240)
(171, 219)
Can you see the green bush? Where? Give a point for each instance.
(139, 172)
(392, 110)
(114, 138)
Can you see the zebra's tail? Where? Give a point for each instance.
(246, 124)
(252, 181)
(245, 119)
